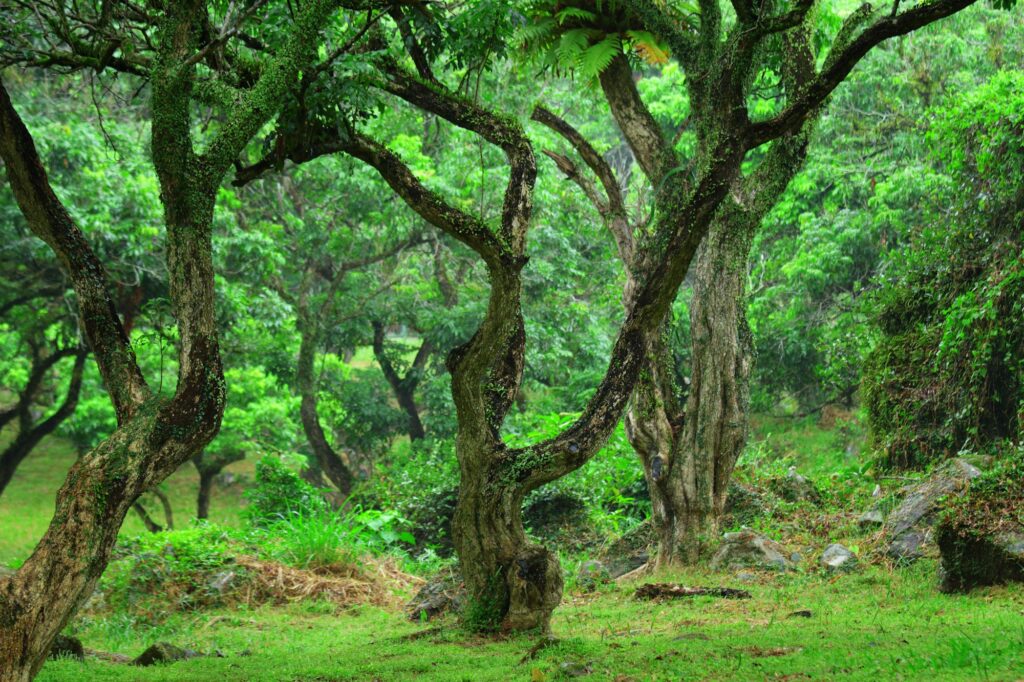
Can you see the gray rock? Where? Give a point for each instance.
(871, 518)
(222, 582)
(747, 549)
(163, 652)
(67, 647)
(591, 574)
(629, 552)
(838, 558)
(575, 668)
(975, 559)
(796, 488)
(908, 546)
(442, 594)
(746, 577)
(909, 527)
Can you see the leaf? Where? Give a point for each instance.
(650, 49)
(575, 13)
(596, 58)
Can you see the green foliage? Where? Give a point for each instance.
(279, 493)
(949, 372)
(315, 539)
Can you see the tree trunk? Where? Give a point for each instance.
(330, 463)
(206, 477)
(693, 480)
(514, 584)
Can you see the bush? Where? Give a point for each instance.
(279, 493)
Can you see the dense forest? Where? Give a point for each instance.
(494, 340)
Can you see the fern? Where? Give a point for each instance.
(571, 47)
(575, 13)
(597, 57)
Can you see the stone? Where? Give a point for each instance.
(163, 652)
(872, 518)
(744, 504)
(550, 514)
(747, 549)
(838, 558)
(591, 574)
(222, 582)
(909, 527)
(629, 552)
(575, 668)
(746, 577)
(67, 647)
(442, 594)
(971, 559)
(796, 488)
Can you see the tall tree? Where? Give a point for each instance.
(154, 436)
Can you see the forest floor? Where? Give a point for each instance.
(876, 623)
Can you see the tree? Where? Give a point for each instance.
(154, 436)
(689, 438)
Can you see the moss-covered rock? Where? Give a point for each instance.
(981, 535)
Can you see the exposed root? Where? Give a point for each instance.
(669, 591)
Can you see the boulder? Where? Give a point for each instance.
(872, 518)
(547, 515)
(747, 549)
(442, 594)
(629, 552)
(972, 560)
(838, 558)
(163, 652)
(981, 535)
(591, 574)
(908, 529)
(796, 488)
(67, 647)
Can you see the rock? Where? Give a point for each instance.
(981, 535)
(744, 504)
(162, 652)
(442, 594)
(796, 488)
(575, 668)
(222, 582)
(548, 515)
(749, 549)
(977, 560)
(746, 577)
(909, 527)
(838, 558)
(591, 574)
(67, 647)
(629, 552)
(872, 518)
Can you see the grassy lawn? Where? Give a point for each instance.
(867, 626)
(874, 624)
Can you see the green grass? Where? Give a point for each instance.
(870, 626)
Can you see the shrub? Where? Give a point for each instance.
(279, 493)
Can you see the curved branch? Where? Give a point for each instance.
(50, 221)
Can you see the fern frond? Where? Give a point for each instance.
(598, 56)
